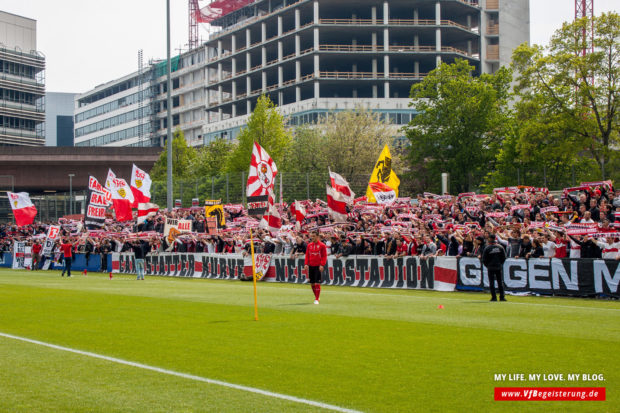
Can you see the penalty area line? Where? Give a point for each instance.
(184, 375)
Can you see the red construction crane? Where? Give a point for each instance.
(585, 8)
(193, 23)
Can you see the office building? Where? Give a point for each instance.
(22, 83)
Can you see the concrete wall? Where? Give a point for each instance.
(514, 27)
(17, 31)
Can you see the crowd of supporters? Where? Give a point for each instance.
(581, 222)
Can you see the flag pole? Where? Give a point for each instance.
(254, 277)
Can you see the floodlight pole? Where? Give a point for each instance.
(169, 113)
(71, 193)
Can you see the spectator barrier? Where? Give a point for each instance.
(573, 277)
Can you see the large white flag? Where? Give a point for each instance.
(263, 171)
(24, 210)
(140, 186)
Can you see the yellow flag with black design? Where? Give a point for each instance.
(214, 208)
(383, 174)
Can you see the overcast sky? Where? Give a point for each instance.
(88, 42)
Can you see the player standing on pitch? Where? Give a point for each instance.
(316, 258)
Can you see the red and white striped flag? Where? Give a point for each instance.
(336, 205)
(147, 209)
(140, 186)
(383, 193)
(299, 211)
(341, 185)
(271, 221)
(23, 209)
(122, 199)
(263, 172)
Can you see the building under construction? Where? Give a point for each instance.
(315, 56)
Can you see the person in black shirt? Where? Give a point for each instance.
(537, 250)
(140, 249)
(493, 258)
(378, 246)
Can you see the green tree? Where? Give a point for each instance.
(211, 159)
(265, 126)
(183, 160)
(306, 153)
(354, 140)
(576, 93)
(460, 125)
(348, 142)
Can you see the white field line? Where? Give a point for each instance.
(184, 375)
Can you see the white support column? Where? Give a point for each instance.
(248, 39)
(263, 32)
(263, 56)
(374, 67)
(219, 48)
(386, 12)
(280, 51)
(316, 12)
(280, 98)
(233, 43)
(416, 41)
(317, 66)
(279, 26)
(386, 90)
(373, 14)
(264, 81)
(219, 114)
(438, 23)
(297, 45)
(386, 66)
(316, 39)
(297, 71)
(234, 110)
(317, 90)
(219, 72)
(297, 94)
(297, 19)
(438, 61)
(233, 65)
(248, 62)
(280, 76)
(374, 40)
(375, 91)
(234, 90)
(248, 106)
(416, 68)
(469, 21)
(416, 16)
(469, 48)
(248, 85)
(386, 40)
(219, 94)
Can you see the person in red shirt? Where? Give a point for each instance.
(316, 258)
(67, 251)
(36, 255)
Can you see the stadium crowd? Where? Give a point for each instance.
(581, 222)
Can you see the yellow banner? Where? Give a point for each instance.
(214, 208)
(384, 174)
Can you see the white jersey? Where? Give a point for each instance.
(609, 251)
(575, 250)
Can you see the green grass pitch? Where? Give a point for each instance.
(363, 349)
